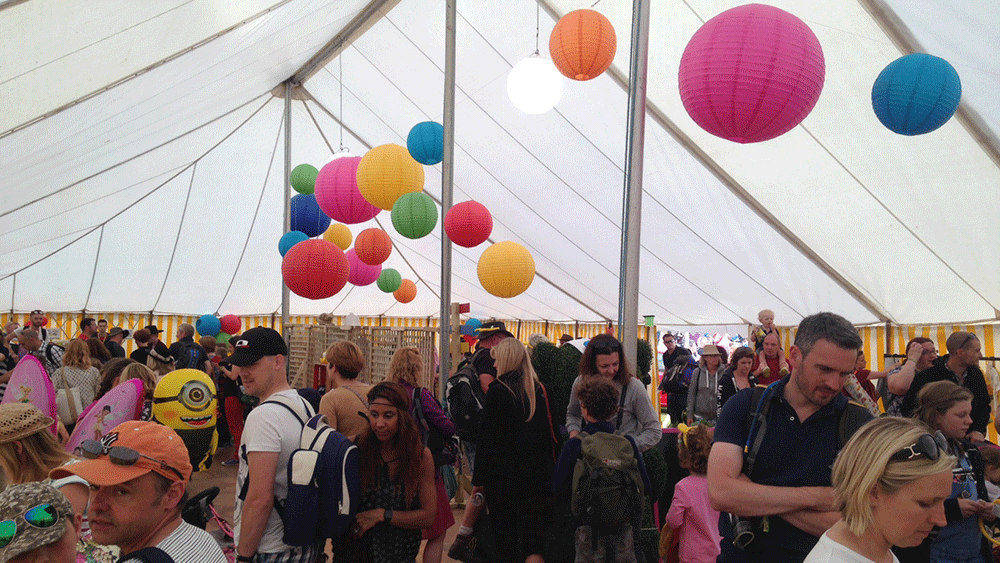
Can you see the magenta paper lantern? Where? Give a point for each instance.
(751, 73)
(337, 192)
(361, 273)
(468, 223)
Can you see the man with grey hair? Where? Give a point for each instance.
(48, 353)
(769, 468)
(960, 365)
(187, 353)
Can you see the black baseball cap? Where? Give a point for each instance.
(256, 343)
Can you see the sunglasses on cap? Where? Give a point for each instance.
(927, 445)
(42, 517)
(119, 455)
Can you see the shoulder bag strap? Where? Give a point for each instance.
(148, 555)
(69, 396)
(548, 415)
(758, 422)
(621, 404)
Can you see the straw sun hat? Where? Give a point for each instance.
(19, 420)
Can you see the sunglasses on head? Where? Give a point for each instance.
(927, 445)
(607, 347)
(119, 455)
(42, 516)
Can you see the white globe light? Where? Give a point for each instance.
(338, 155)
(534, 85)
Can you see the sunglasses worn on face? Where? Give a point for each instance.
(42, 516)
(926, 445)
(119, 455)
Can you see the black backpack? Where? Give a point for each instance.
(191, 357)
(443, 449)
(465, 398)
(148, 555)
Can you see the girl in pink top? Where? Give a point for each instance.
(690, 511)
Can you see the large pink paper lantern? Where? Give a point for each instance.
(751, 73)
(337, 192)
(361, 273)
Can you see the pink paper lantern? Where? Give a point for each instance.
(751, 73)
(337, 192)
(361, 273)
(468, 223)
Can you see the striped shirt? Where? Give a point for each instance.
(188, 544)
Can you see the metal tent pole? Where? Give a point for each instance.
(447, 186)
(628, 289)
(288, 193)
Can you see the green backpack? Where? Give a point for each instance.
(607, 486)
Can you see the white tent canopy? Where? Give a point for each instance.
(142, 157)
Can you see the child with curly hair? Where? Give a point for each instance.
(690, 512)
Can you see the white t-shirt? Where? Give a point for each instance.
(188, 544)
(829, 551)
(270, 428)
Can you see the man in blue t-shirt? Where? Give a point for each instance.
(790, 481)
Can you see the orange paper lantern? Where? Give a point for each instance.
(407, 292)
(373, 246)
(583, 44)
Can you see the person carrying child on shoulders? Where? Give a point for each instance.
(605, 477)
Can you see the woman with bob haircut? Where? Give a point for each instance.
(890, 482)
(636, 417)
(397, 484)
(344, 402)
(515, 456)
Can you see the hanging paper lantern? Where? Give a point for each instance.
(306, 216)
(468, 223)
(208, 325)
(315, 269)
(230, 324)
(389, 280)
(751, 73)
(414, 215)
(506, 269)
(337, 192)
(426, 142)
(387, 172)
(470, 326)
(407, 292)
(339, 235)
(223, 338)
(361, 273)
(534, 85)
(916, 94)
(290, 239)
(583, 44)
(303, 178)
(373, 246)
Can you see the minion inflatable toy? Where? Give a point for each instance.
(184, 400)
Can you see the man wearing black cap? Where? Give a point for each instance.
(489, 334)
(114, 342)
(270, 435)
(159, 352)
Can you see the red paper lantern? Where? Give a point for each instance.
(373, 246)
(337, 192)
(751, 73)
(468, 223)
(407, 292)
(583, 44)
(315, 269)
(230, 324)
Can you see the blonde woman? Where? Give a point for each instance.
(139, 371)
(890, 482)
(515, 455)
(77, 371)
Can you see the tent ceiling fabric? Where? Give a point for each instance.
(142, 153)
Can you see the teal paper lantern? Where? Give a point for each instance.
(916, 94)
(426, 142)
(414, 215)
(389, 280)
(290, 239)
(303, 178)
(208, 325)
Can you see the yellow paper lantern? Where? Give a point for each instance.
(506, 269)
(387, 172)
(339, 235)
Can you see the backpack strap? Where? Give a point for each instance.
(621, 405)
(418, 411)
(853, 417)
(761, 397)
(148, 555)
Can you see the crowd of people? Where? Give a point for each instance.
(786, 455)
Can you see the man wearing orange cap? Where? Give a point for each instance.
(138, 475)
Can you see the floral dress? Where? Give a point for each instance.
(383, 543)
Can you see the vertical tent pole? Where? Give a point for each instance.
(447, 181)
(628, 289)
(286, 182)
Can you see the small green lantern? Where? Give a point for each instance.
(414, 215)
(389, 280)
(303, 178)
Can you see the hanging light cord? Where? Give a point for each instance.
(538, 9)
(340, 60)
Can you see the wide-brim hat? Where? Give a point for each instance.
(20, 420)
(710, 350)
(152, 329)
(490, 328)
(118, 330)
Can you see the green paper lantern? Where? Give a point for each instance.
(414, 215)
(222, 338)
(389, 280)
(303, 178)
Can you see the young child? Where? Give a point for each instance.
(991, 468)
(690, 511)
(598, 406)
(766, 318)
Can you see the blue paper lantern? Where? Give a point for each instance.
(426, 142)
(916, 94)
(208, 325)
(290, 239)
(306, 216)
(470, 326)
